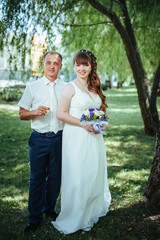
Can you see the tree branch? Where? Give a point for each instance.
(118, 25)
(85, 25)
(101, 8)
(119, 3)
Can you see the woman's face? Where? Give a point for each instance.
(82, 71)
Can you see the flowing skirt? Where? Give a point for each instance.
(85, 194)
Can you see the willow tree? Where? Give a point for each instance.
(131, 20)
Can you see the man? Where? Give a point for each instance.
(39, 104)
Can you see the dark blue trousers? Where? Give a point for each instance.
(45, 176)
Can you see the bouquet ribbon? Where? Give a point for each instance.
(98, 127)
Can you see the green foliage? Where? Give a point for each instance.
(105, 86)
(105, 41)
(2, 35)
(146, 26)
(10, 94)
(129, 155)
(82, 26)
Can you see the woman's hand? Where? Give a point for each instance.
(88, 127)
(104, 127)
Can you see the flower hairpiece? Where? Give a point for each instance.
(93, 58)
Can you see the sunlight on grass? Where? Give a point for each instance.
(132, 175)
(15, 198)
(126, 110)
(129, 158)
(21, 167)
(9, 107)
(122, 95)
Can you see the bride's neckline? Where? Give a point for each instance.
(83, 88)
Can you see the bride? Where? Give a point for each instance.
(85, 194)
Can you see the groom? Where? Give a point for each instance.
(39, 104)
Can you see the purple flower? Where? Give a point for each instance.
(83, 117)
(91, 114)
(91, 109)
(102, 118)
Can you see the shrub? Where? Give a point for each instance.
(10, 94)
(104, 86)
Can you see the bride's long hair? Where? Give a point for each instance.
(93, 83)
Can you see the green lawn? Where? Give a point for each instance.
(129, 154)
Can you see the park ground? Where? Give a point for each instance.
(129, 153)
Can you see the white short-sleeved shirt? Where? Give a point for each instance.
(39, 93)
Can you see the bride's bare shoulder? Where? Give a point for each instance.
(69, 88)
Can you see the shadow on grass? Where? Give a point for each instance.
(130, 148)
(129, 160)
(127, 223)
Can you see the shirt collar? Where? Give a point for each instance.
(47, 82)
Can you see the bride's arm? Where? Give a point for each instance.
(63, 108)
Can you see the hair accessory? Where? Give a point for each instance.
(93, 58)
(82, 50)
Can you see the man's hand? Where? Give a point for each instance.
(41, 111)
(28, 115)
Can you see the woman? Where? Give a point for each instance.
(85, 194)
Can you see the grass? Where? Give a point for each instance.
(129, 154)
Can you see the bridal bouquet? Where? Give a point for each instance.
(96, 117)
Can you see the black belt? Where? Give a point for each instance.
(47, 134)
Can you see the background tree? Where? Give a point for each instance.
(119, 14)
(125, 24)
(152, 190)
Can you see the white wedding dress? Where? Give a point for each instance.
(85, 194)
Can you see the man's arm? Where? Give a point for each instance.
(28, 115)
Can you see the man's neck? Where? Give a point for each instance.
(50, 78)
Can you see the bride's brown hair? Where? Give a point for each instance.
(94, 85)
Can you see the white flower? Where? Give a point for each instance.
(86, 112)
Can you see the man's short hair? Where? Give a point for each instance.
(52, 52)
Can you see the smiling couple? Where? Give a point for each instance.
(73, 159)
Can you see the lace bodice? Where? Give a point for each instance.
(82, 100)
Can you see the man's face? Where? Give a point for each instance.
(52, 64)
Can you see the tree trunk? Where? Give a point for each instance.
(119, 84)
(154, 95)
(152, 190)
(129, 41)
(142, 84)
